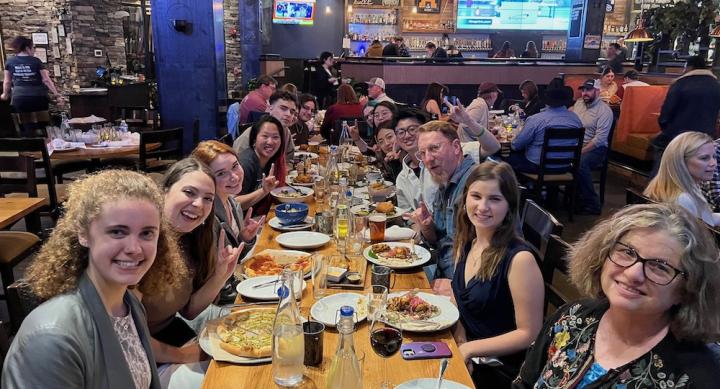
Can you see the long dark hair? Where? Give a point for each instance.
(281, 131)
(505, 232)
(531, 89)
(21, 43)
(198, 244)
(434, 91)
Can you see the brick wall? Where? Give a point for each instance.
(233, 58)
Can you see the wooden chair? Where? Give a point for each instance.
(4, 342)
(633, 196)
(31, 124)
(561, 147)
(602, 172)
(537, 226)
(555, 258)
(53, 193)
(17, 175)
(21, 301)
(15, 246)
(170, 151)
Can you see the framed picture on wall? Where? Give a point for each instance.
(428, 6)
(40, 38)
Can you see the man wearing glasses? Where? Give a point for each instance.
(409, 182)
(440, 151)
(283, 107)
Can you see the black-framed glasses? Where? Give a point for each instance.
(410, 130)
(658, 271)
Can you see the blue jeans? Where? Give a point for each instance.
(590, 161)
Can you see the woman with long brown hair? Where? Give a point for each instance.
(433, 100)
(497, 284)
(347, 106)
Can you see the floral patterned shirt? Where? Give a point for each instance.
(563, 354)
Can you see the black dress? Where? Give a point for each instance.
(322, 88)
(487, 310)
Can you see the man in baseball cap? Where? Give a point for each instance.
(490, 92)
(597, 118)
(376, 90)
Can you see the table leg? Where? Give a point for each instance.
(33, 223)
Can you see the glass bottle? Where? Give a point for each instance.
(342, 226)
(65, 126)
(288, 344)
(345, 369)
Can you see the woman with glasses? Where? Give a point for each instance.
(688, 161)
(653, 274)
(383, 111)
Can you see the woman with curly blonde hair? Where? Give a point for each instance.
(688, 161)
(92, 331)
(653, 275)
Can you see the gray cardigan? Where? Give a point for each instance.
(69, 342)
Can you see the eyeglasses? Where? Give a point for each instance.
(656, 270)
(410, 130)
(433, 150)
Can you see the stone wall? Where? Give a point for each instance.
(233, 57)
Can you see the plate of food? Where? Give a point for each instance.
(305, 154)
(264, 288)
(301, 179)
(384, 190)
(420, 312)
(396, 255)
(278, 225)
(386, 207)
(287, 194)
(271, 262)
(326, 309)
(244, 336)
(302, 239)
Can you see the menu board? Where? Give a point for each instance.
(513, 14)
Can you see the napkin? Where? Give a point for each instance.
(394, 233)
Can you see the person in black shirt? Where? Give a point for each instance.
(29, 79)
(434, 51)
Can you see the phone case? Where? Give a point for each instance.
(425, 350)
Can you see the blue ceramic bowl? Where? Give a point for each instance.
(291, 213)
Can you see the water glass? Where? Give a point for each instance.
(313, 332)
(357, 240)
(382, 275)
(319, 271)
(376, 302)
(320, 188)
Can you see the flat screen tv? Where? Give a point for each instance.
(300, 12)
(513, 14)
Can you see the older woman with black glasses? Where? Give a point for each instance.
(654, 276)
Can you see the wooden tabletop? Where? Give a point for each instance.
(14, 209)
(101, 152)
(375, 368)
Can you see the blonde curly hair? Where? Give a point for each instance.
(697, 317)
(62, 260)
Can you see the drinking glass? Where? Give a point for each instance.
(377, 227)
(319, 272)
(357, 240)
(320, 188)
(385, 341)
(376, 302)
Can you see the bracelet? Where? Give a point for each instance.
(482, 132)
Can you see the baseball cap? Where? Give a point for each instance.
(590, 84)
(486, 87)
(377, 81)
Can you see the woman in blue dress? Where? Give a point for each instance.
(497, 285)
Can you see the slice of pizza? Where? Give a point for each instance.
(247, 333)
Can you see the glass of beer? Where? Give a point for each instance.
(377, 226)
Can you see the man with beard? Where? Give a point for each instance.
(440, 151)
(597, 118)
(283, 107)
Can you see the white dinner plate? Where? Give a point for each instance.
(496, 112)
(364, 210)
(266, 292)
(430, 383)
(448, 316)
(275, 223)
(326, 309)
(209, 343)
(422, 256)
(302, 239)
(362, 192)
(290, 180)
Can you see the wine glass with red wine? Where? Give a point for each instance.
(385, 341)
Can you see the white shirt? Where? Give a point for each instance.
(635, 83)
(383, 97)
(706, 214)
(478, 111)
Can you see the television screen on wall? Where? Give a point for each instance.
(300, 12)
(513, 14)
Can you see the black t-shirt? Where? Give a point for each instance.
(26, 77)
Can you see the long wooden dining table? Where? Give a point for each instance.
(375, 368)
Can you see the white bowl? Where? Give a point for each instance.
(284, 194)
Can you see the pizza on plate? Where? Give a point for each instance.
(267, 265)
(247, 333)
